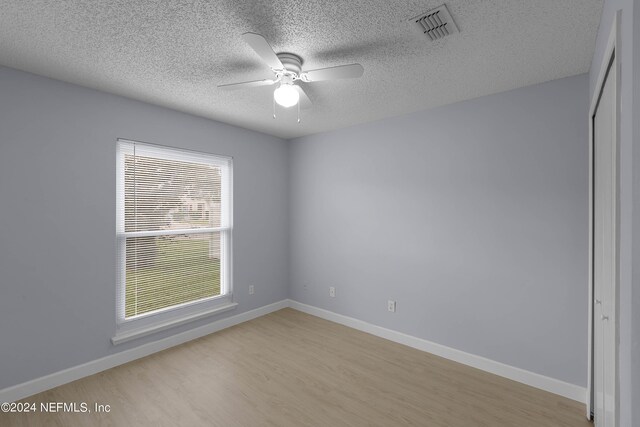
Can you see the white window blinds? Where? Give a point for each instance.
(173, 228)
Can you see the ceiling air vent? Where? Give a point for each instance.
(436, 23)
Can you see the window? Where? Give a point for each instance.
(173, 230)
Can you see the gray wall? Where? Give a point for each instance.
(57, 216)
(473, 217)
(629, 290)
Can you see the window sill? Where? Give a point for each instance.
(123, 337)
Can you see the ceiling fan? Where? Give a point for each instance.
(287, 69)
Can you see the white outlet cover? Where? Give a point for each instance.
(391, 306)
(252, 289)
(332, 291)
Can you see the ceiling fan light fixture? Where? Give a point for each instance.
(287, 69)
(286, 95)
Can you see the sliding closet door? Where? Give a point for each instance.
(604, 252)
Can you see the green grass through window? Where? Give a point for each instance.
(180, 271)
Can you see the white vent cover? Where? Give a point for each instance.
(436, 23)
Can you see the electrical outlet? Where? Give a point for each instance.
(332, 292)
(391, 306)
(252, 290)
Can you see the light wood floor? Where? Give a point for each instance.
(292, 369)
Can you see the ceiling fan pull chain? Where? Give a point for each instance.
(274, 108)
(298, 112)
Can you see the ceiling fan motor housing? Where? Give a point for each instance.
(291, 62)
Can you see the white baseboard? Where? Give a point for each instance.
(20, 391)
(542, 382)
(29, 388)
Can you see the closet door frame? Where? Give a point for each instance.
(610, 61)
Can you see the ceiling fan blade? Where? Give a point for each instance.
(243, 85)
(305, 102)
(340, 72)
(262, 48)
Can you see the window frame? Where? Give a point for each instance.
(192, 310)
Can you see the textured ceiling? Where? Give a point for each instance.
(174, 53)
